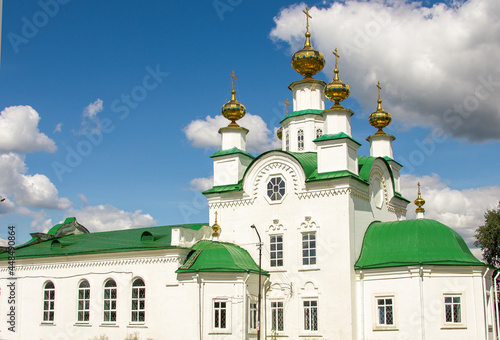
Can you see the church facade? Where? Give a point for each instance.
(339, 259)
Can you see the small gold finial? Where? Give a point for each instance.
(215, 227)
(306, 12)
(287, 105)
(380, 118)
(336, 70)
(233, 110)
(419, 202)
(336, 91)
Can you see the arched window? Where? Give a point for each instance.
(138, 301)
(49, 297)
(287, 142)
(110, 301)
(319, 133)
(84, 301)
(300, 139)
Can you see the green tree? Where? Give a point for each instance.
(488, 236)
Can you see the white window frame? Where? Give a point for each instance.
(454, 324)
(276, 251)
(277, 308)
(253, 318)
(281, 191)
(49, 302)
(319, 132)
(309, 306)
(377, 326)
(139, 301)
(219, 305)
(83, 300)
(109, 291)
(300, 140)
(310, 258)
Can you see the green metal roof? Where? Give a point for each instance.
(210, 256)
(339, 135)
(333, 175)
(224, 188)
(230, 152)
(103, 242)
(415, 242)
(301, 113)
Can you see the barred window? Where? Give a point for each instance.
(110, 293)
(300, 139)
(319, 133)
(276, 250)
(49, 297)
(385, 308)
(220, 314)
(287, 142)
(277, 316)
(311, 315)
(453, 308)
(84, 301)
(276, 188)
(138, 301)
(309, 248)
(253, 316)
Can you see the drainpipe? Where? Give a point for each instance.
(497, 326)
(422, 318)
(485, 304)
(244, 326)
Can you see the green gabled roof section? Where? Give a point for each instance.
(411, 243)
(230, 152)
(398, 195)
(334, 175)
(55, 228)
(224, 188)
(308, 161)
(102, 242)
(210, 256)
(301, 113)
(390, 159)
(339, 135)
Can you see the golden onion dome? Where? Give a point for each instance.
(279, 133)
(308, 61)
(233, 109)
(379, 118)
(337, 90)
(215, 227)
(419, 202)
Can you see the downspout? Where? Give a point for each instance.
(495, 300)
(199, 307)
(422, 317)
(265, 309)
(485, 304)
(362, 304)
(244, 315)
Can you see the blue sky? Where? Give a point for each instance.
(80, 64)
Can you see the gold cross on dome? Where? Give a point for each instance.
(336, 56)
(306, 12)
(216, 217)
(234, 78)
(287, 105)
(379, 88)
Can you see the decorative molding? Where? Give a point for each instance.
(395, 209)
(276, 227)
(377, 171)
(231, 204)
(276, 165)
(334, 192)
(85, 264)
(308, 225)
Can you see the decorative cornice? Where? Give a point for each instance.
(334, 192)
(231, 204)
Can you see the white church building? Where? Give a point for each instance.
(339, 259)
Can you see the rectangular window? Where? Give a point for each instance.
(138, 301)
(311, 315)
(453, 309)
(276, 250)
(309, 248)
(220, 314)
(253, 316)
(277, 318)
(385, 311)
(84, 302)
(110, 303)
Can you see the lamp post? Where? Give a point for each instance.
(260, 281)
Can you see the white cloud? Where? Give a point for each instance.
(202, 183)
(204, 133)
(93, 109)
(438, 66)
(462, 210)
(19, 131)
(107, 217)
(84, 199)
(90, 121)
(58, 128)
(35, 191)
(3, 243)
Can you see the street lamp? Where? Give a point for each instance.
(260, 281)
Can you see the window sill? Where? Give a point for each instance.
(309, 335)
(47, 323)
(137, 325)
(277, 270)
(82, 324)
(276, 335)
(222, 331)
(308, 268)
(457, 326)
(108, 325)
(385, 328)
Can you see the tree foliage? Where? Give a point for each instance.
(488, 236)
